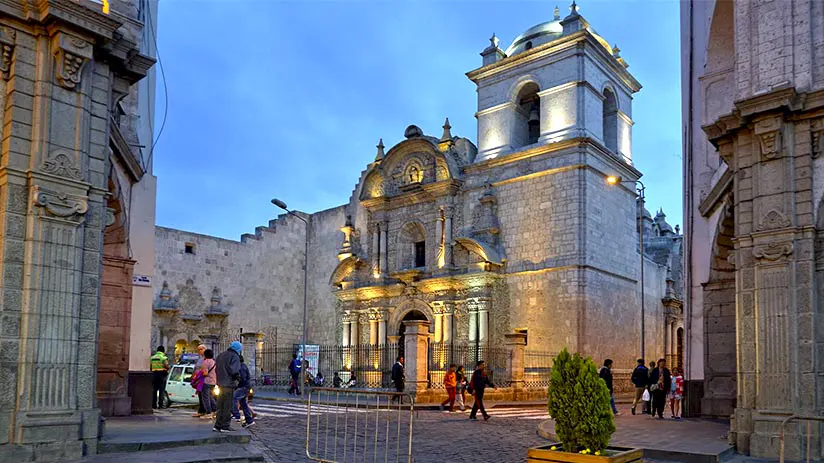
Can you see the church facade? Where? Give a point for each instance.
(520, 232)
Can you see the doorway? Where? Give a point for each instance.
(412, 315)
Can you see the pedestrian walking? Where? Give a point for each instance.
(660, 383)
(294, 371)
(640, 378)
(677, 392)
(228, 376)
(201, 410)
(460, 380)
(648, 404)
(159, 363)
(241, 396)
(207, 392)
(606, 374)
(450, 383)
(478, 383)
(398, 378)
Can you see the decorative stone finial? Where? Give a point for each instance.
(557, 13)
(413, 131)
(678, 229)
(494, 41)
(573, 9)
(616, 52)
(380, 155)
(447, 134)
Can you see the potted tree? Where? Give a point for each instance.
(578, 401)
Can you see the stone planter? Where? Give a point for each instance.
(614, 455)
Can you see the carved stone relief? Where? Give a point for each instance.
(71, 54)
(773, 251)
(768, 132)
(816, 129)
(7, 38)
(59, 204)
(774, 219)
(61, 163)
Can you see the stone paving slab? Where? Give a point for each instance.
(165, 429)
(215, 453)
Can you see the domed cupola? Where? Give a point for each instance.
(537, 35)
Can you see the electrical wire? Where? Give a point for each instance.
(165, 89)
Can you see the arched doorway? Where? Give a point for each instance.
(410, 316)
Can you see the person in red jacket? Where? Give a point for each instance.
(480, 380)
(449, 383)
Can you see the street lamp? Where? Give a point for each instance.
(639, 189)
(282, 205)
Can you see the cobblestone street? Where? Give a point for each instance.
(437, 437)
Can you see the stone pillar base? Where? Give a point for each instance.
(115, 405)
(140, 391)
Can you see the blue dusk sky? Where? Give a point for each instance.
(283, 99)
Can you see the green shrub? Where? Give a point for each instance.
(579, 402)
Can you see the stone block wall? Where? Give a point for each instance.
(261, 276)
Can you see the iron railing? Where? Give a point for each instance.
(809, 420)
(442, 355)
(537, 369)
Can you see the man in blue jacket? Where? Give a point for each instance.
(640, 378)
(227, 369)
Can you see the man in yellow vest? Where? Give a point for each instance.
(160, 368)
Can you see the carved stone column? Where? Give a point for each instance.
(448, 237)
(483, 321)
(345, 339)
(472, 313)
(373, 329)
(448, 312)
(383, 258)
(376, 271)
(438, 326)
(415, 351)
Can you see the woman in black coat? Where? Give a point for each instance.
(660, 381)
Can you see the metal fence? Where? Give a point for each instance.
(441, 355)
(347, 425)
(361, 366)
(537, 369)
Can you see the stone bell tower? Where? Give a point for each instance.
(554, 120)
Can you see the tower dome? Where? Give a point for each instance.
(536, 35)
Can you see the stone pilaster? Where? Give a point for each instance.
(415, 352)
(53, 185)
(516, 345)
(250, 354)
(777, 375)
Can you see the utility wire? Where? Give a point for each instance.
(165, 88)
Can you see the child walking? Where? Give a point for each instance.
(677, 390)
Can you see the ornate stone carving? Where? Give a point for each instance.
(774, 219)
(770, 144)
(768, 132)
(7, 37)
(110, 217)
(773, 251)
(61, 163)
(816, 129)
(71, 54)
(58, 204)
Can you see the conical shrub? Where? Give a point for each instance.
(579, 402)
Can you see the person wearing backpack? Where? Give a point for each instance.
(478, 383)
(241, 396)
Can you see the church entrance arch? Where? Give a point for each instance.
(412, 309)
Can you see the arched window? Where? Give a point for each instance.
(610, 120)
(412, 247)
(528, 116)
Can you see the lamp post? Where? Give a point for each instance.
(639, 189)
(303, 360)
